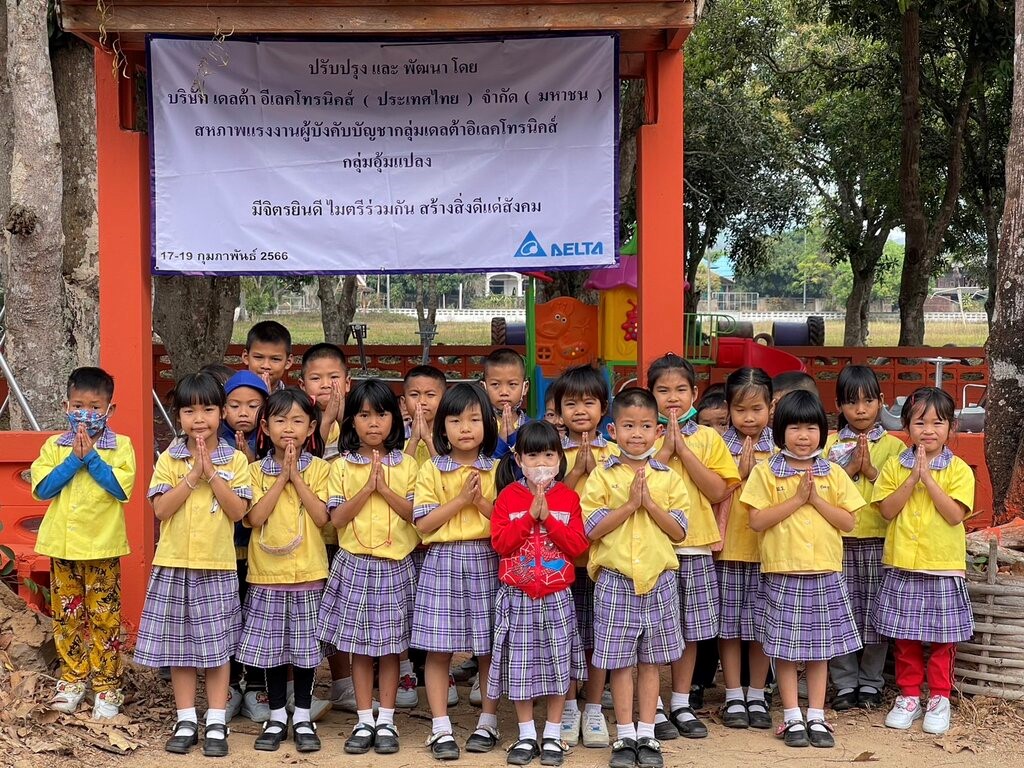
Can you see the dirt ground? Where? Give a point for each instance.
(986, 732)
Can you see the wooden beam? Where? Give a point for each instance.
(376, 20)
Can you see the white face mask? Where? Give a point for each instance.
(639, 456)
(540, 476)
(790, 454)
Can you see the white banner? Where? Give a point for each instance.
(332, 157)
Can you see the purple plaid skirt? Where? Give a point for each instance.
(631, 628)
(537, 649)
(280, 628)
(738, 584)
(191, 618)
(367, 605)
(417, 556)
(583, 599)
(698, 597)
(455, 598)
(920, 606)
(805, 617)
(862, 569)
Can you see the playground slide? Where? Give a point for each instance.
(737, 353)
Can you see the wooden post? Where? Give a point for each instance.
(126, 322)
(662, 270)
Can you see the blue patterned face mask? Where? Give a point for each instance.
(663, 420)
(93, 422)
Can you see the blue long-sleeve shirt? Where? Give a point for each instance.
(61, 475)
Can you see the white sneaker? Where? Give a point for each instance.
(108, 705)
(408, 697)
(68, 696)
(317, 708)
(570, 732)
(936, 719)
(904, 712)
(606, 699)
(453, 692)
(346, 701)
(475, 697)
(595, 730)
(256, 706)
(235, 701)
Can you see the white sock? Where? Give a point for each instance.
(189, 716)
(571, 705)
(735, 695)
(627, 731)
(844, 691)
(385, 716)
(789, 715)
(553, 731)
(645, 730)
(442, 725)
(302, 716)
(338, 687)
(404, 668)
(215, 716)
(869, 689)
(660, 716)
(755, 694)
(680, 700)
(365, 716)
(815, 714)
(528, 730)
(487, 720)
(592, 709)
(280, 716)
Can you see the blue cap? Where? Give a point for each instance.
(246, 379)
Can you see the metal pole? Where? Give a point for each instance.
(18, 395)
(163, 412)
(388, 289)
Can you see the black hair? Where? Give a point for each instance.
(281, 402)
(197, 389)
(532, 437)
(711, 401)
(799, 407)
(93, 380)
(323, 350)
(922, 399)
(579, 381)
(268, 332)
(633, 397)
(788, 381)
(671, 362)
(426, 372)
(219, 371)
(504, 356)
(854, 382)
(378, 396)
(746, 381)
(454, 402)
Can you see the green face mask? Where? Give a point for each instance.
(682, 419)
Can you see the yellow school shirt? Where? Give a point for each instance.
(329, 534)
(919, 538)
(439, 481)
(601, 448)
(308, 561)
(83, 521)
(709, 447)
(638, 549)
(741, 543)
(870, 523)
(376, 529)
(805, 542)
(198, 535)
(422, 452)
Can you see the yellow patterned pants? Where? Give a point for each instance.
(85, 597)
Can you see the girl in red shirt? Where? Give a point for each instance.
(537, 531)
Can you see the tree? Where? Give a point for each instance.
(195, 319)
(38, 335)
(337, 307)
(1004, 425)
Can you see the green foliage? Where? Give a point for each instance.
(259, 294)
(405, 287)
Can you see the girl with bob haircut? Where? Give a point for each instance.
(367, 606)
(801, 504)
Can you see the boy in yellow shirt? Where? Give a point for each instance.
(268, 353)
(633, 513)
(422, 389)
(87, 474)
(326, 379)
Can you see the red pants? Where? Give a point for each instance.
(910, 668)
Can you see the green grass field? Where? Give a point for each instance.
(399, 329)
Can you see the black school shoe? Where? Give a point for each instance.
(522, 752)
(624, 754)
(794, 734)
(362, 738)
(553, 752)
(649, 753)
(304, 740)
(215, 747)
(664, 731)
(180, 745)
(386, 740)
(869, 699)
(822, 736)
(697, 697)
(843, 702)
(758, 714)
(442, 748)
(483, 739)
(735, 718)
(270, 742)
(688, 729)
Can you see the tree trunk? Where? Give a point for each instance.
(427, 299)
(1004, 419)
(76, 109)
(195, 319)
(991, 214)
(36, 319)
(337, 311)
(6, 133)
(856, 332)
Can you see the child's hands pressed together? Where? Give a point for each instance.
(866, 467)
(334, 409)
(470, 488)
(292, 457)
(637, 490)
(204, 461)
(82, 444)
(806, 487)
(747, 458)
(645, 494)
(922, 470)
(508, 423)
(243, 446)
(538, 504)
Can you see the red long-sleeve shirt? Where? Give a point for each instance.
(537, 557)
